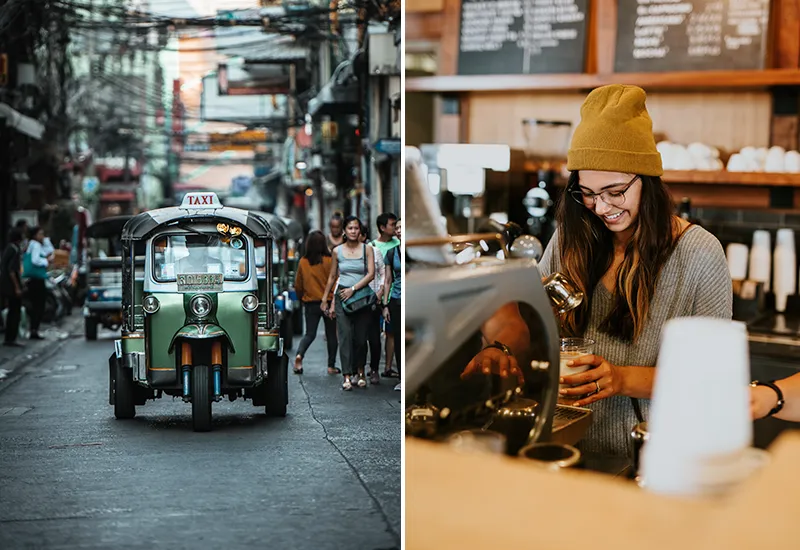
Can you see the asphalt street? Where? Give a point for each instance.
(71, 476)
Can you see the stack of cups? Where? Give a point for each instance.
(700, 431)
(761, 258)
(785, 268)
(737, 254)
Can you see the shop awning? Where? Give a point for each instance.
(21, 123)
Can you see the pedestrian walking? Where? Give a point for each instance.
(11, 286)
(34, 271)
(24, 230)
(310, 282)
(393, 287)
(374, 325)
(353, 266)
(336, 235)
(387, 227)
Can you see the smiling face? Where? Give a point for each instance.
(621, 212)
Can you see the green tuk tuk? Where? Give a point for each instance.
(198, 322)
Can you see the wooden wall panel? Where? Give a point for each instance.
(451, 27)
(786, 34)
(424, 26)
(728, 121)
(720, 196)
(602, 36)
(422, 6)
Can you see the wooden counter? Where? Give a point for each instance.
(456, 501)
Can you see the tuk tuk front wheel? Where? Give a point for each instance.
(90, 328)
(124, 407)
(278, 388)
(201, 398)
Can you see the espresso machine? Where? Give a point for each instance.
(448, 299)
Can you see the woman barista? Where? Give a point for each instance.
(638, 264)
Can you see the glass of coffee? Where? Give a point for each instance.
(571, 349)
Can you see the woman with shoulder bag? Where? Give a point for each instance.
(353, 265)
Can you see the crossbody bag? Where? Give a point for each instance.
(362, 299)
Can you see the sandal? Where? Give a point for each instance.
(346, 385)
(298, 365)
(334, 370)
(390, 374)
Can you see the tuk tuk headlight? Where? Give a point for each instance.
(150, 304)
(250, 303)
(200, 306)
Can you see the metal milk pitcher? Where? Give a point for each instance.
(563, 293)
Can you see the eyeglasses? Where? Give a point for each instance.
(613, 198)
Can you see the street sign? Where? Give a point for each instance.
(390, 146)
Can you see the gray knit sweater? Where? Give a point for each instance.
(694, 281)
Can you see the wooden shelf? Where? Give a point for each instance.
(703, 177)
(677, 81)
(765, 179)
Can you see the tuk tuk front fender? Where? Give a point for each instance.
(201, 332)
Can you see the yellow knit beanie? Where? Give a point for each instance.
(615, 134)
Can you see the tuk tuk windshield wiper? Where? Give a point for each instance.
(195, 231)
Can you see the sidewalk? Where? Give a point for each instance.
(54, 335)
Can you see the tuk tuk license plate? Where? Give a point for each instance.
(200, 282)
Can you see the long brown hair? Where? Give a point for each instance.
(316, 247)
(587, 251)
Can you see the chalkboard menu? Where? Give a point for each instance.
(691, 35)
(522, 36)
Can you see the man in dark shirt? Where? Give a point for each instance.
(11, 286)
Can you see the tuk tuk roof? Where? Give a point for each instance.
(142, 225)
(295, 229)
(107, 227)
(280, 231)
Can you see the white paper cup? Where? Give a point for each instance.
(737, 255)
(761, 258)
(700, 412)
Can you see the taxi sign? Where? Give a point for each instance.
(198, 201)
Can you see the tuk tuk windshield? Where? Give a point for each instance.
(192, 254)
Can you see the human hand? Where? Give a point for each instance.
(324, 307)
(762, 400)
(493, 361)
(346, 294)
(386, 314)
(601, 381)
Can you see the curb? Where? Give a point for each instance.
(42, 351)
